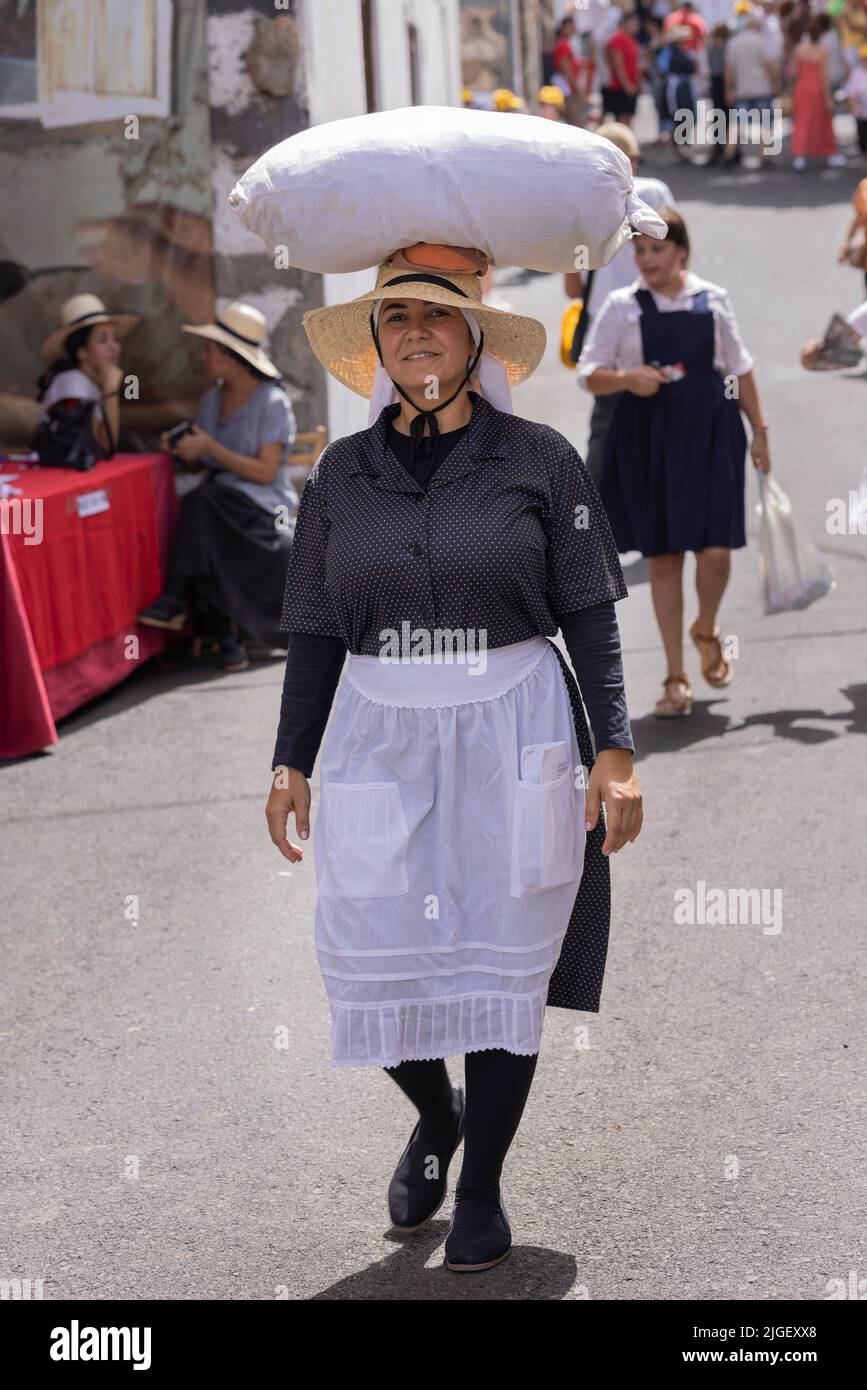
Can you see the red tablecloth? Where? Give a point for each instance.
(80, 554)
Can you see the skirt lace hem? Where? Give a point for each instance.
(386, 1033)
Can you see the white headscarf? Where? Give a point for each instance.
(489, 378)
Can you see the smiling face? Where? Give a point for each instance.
(102, 346)
(658, 261)
(421, 339)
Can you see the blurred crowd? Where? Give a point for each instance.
(751, 61)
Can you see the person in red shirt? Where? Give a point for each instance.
(573, 75)
(688, 16)
(621, 94)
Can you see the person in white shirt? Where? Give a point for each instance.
(621, 270)
(856, 95)
(673, 470)
(858, 320)
(595, 22)
(751, 73)
(84, 356)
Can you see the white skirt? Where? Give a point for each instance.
(445, 882)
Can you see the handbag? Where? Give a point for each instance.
(568, 328)
(581, 326)
(791, 570)
(65, 438)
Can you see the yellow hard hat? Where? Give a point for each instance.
(505, 100)
(466, 95)
(552, 96)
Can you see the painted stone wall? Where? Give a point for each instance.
(128, 199)
(139, 203)
(257, 95)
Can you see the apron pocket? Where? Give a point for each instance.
(548, 835)
(363, 848)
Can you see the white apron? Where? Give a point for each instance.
(445, 882)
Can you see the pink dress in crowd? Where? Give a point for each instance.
(813, 130)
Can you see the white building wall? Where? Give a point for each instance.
(438, 26)
(334, 62)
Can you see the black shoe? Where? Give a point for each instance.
(232, 655)
(413, 1198)
(166, 611)
(479, 1235)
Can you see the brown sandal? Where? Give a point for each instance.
(669, 706)
(712, 662)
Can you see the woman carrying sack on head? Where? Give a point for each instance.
(84, 353)
(232, 544)
(673, 468)
(461, 860)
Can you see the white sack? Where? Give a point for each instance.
(791, 570)
(527, 191)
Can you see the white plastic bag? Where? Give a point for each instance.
(528, 192)
(791, 570)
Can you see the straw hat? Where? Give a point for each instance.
(340, 334)
(83, 311)
(243, 329)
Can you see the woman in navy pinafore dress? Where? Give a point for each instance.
(673, 473)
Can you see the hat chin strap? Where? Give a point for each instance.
(423, 447)
(491, 375)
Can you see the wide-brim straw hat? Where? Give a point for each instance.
(84, 311)
(340, 335)
(243, 329)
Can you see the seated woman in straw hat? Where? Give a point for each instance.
(84, 353)
(234, 537)
(461, 861)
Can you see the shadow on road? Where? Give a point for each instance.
(416, 1271)
(158, 676)
(776, 185)
(652, 735)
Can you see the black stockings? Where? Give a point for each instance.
(497, 1086)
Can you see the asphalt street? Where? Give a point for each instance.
(170, 1124)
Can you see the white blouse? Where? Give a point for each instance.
(614, 336)
(72, 385)
(858, 320)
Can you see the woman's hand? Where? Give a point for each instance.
(759, 450)
(193, 445)
(290, 792)
(643, 381)
(613, 781)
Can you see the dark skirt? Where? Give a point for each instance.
(576, 982)
(235, 557)
(673, 476)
